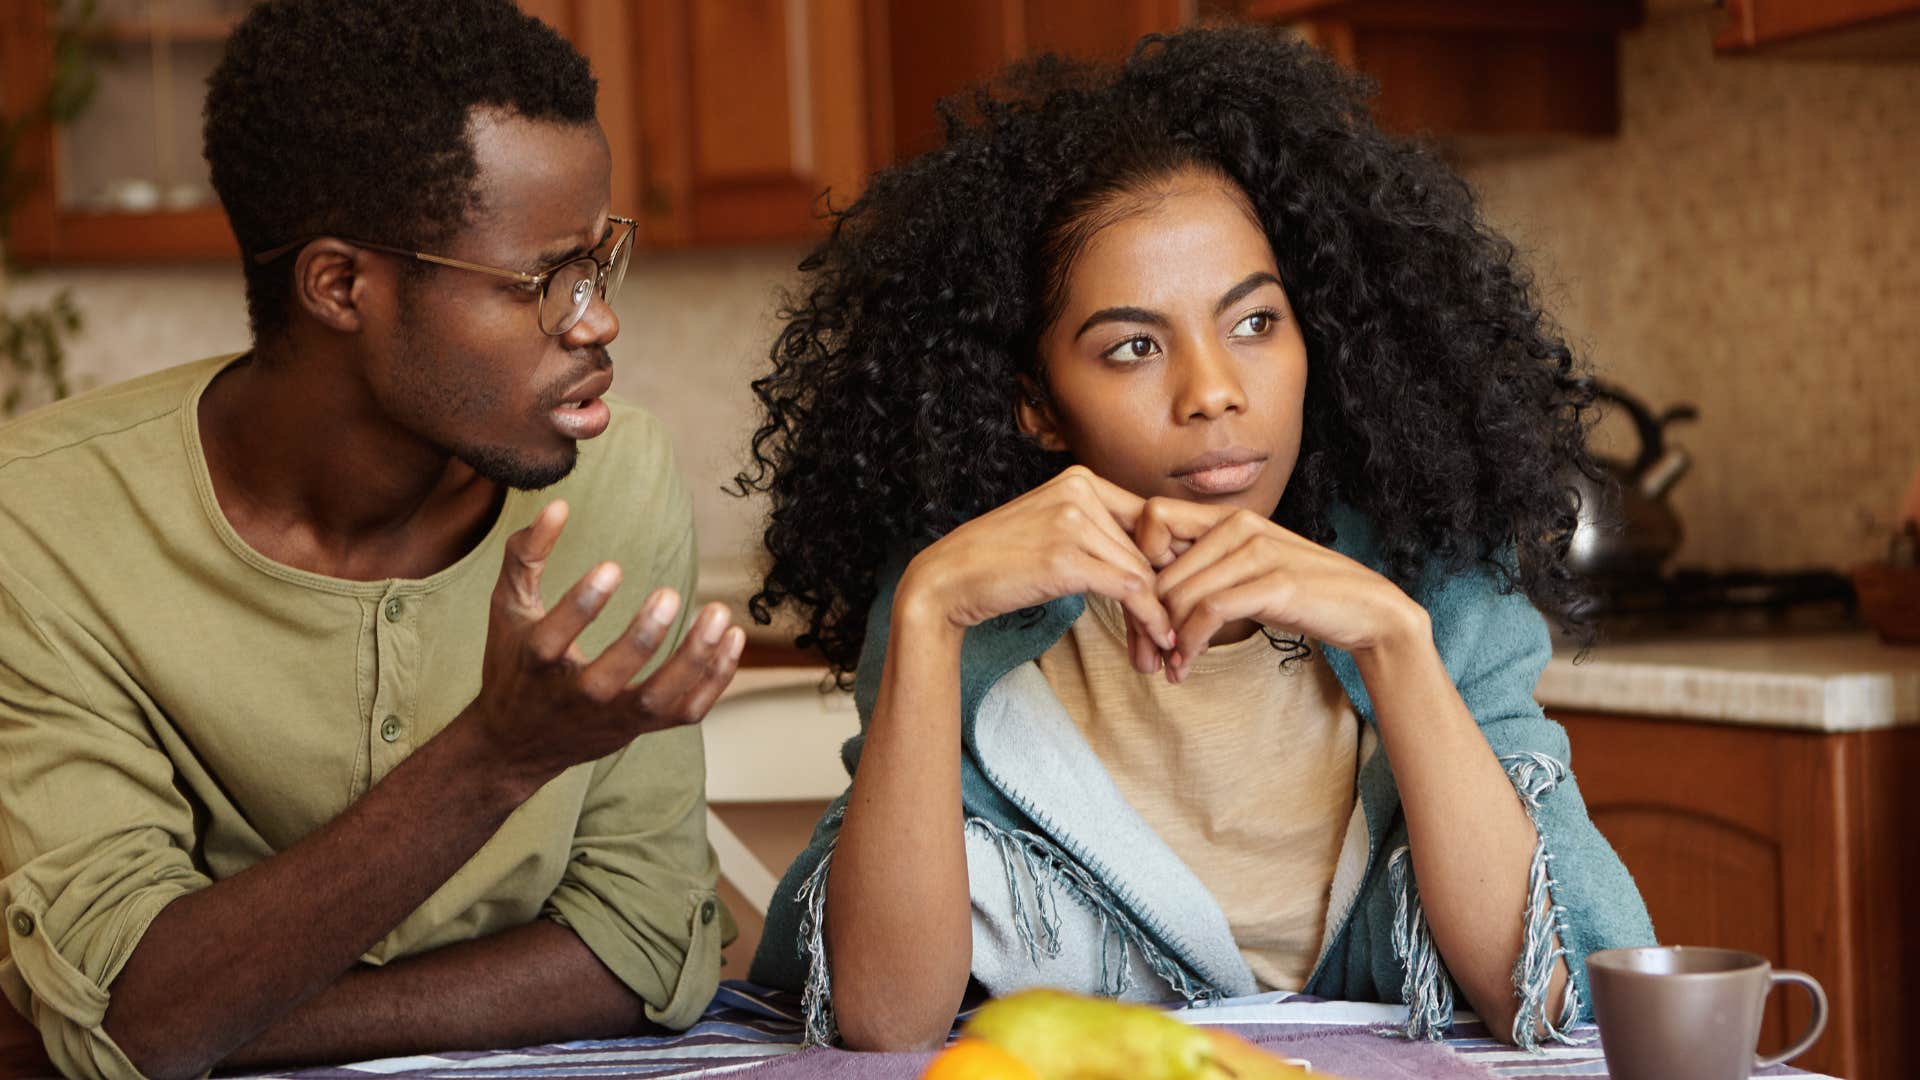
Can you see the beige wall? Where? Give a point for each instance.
(1750, 244)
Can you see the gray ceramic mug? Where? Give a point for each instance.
(1679, 1011)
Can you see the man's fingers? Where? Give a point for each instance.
(719, 672)
(526, 554)
(674, 680)
(613, 669)
(556, 630)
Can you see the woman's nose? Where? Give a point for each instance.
(1209, 386)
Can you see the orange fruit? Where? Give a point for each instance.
(972, 1059)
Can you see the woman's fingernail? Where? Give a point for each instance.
(713, 625)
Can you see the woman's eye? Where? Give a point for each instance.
(1132, 350)
(1254, 325)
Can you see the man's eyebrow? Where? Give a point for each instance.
(1121, 314)
(547, 260)
(1240, 292)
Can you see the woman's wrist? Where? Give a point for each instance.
(920, 611)
(1403, 633)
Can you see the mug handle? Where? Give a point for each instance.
(1814, 1028)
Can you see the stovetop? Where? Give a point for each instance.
(1698, 603)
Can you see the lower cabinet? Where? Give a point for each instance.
(1801, 846)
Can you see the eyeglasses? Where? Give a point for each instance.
(565, 290)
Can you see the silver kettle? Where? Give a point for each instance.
(1626, 529)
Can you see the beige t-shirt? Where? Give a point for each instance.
(175, 707)
(1246, 769)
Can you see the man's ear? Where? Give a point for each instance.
(1035, 416)
(329, 283)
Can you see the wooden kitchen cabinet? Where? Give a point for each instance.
(126, 181)
(728, 119)
(752, 114)
(929, 51)
(1801, 846)
(1474, 67)
(1821, 28)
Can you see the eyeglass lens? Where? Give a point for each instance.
(572, 286)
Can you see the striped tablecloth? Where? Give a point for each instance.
(752, 1033)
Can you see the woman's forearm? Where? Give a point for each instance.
(1470, 839)
(898, 925)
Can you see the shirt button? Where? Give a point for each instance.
(707, 912)
(390, 728)
(23, 923)
(394, 609)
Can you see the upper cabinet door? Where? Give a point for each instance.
(740, 121)
(122, 180)
(931, 50)
(1822, 28)
(729, 120)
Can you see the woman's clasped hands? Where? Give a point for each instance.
(1182, 571)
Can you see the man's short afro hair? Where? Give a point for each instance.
(349, 118)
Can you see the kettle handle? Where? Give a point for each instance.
(1645, 423)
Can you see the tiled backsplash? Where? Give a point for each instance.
(1750, 243)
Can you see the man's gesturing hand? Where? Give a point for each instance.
(544, 706)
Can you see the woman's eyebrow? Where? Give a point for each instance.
(1240, 292)
(1121, 314)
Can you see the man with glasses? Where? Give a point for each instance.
(345, 697)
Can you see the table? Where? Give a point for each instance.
(755, 1034)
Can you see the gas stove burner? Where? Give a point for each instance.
(1729, 602)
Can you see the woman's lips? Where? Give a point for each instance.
(1222, 472)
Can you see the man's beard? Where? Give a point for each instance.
(499, 463)
(520, 471)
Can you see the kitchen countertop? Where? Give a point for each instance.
(1825, 682)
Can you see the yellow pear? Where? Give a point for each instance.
(1070, 1037)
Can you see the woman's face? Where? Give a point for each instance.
(1175, 367)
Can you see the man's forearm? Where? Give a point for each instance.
(218, 966)
(532, 984)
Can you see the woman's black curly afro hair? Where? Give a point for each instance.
(1440, 401)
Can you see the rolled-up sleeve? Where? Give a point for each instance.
(640, 887)
(93, 841)
(639, 890)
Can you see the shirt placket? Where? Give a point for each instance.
(392, 724)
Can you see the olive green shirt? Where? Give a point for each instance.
(175, 707)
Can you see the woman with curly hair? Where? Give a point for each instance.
(1175, 463)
